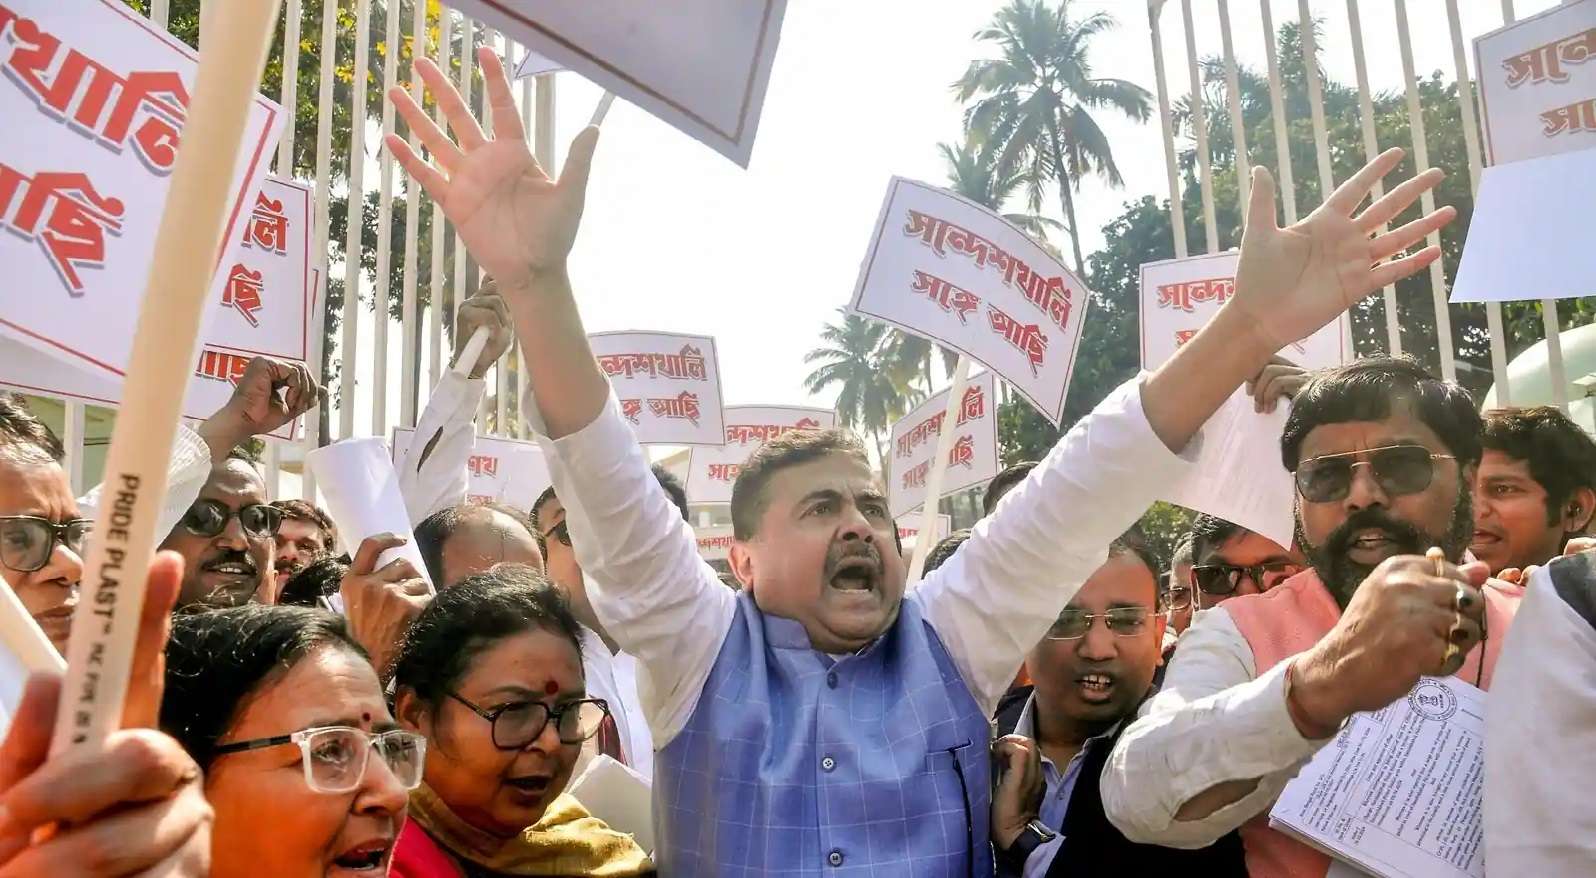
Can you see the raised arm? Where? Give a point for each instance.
(994, 599)
(648, 586)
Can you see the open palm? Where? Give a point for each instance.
(1292, 281)
(515, 220)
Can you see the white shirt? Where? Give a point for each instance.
(989, 604)
(440, 479)
(601, 669)
(1540, 725)
(186, 475)
(1214, 720)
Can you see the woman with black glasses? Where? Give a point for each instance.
(304, 766)
(491, 673)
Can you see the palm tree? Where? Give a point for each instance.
(871, 393)
(1036, 101)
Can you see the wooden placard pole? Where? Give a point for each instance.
(233, 51)
(939, 465)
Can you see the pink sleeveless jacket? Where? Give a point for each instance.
(1290, 618)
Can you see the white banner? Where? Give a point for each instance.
(909, 529)
(508, 471)
(1179, 296)
(668, 385)
(1538, 84)
(943, 267)
(102, 96)
(712, 470)
(973, 459)
(282, 302)
(714, 543)
(700, 65)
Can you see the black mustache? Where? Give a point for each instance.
(852, 550)
(230, 557)
(1402, 533)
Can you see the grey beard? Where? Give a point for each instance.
(1341, 575)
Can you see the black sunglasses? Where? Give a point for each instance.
(207, 518)
(519, 723)
(28, 541)
(1399, 469)
(1222, 579)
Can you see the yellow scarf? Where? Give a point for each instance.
(566, 841)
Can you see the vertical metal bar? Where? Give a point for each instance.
(1421, 159)
(349, 350)
(501, 420)
(290, 92)
(1471, 143)
(379, 342)
(409, 379)
(435, 292)
(1277, 111)
(327, 50)
(1310, 65)
(1238, 123)
(1177, 214)
(159, 12)
(461, 258)
(1199, 127)
(1371, 148)
(1549, 320)
(515, 349)
(72, 441)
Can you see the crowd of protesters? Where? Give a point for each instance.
(319, 713)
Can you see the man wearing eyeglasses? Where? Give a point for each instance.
(1177, 587)
(1383, 457)
(1091, 669)
(1232, 560)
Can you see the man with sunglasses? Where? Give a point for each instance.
(1231, 560)
(226, 538)
(1091, 670)
(1383, 457)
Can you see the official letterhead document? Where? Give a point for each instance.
(1397, 793)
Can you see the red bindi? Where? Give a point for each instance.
(551, 688)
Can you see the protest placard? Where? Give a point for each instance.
(283, 303)
(909, 528)
(714, 543)
(360, 490)
(668, 385)
(1527, 238)
(1538, 84)
(945, 268)
(973, 455)
(508, 471)
(1179, 296)
(712, 470)
(103, 96)
(702, 66)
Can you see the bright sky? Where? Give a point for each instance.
(677, 238)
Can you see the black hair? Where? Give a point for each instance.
(1004, 482)
(317, 579)
(1366, 390)
(472, 615)
(749, 499)
(942, 551)
(437, 528)
(1561, 456)
(300, 510)
(23, 436)
(217, 660)
(1209, 533)
(673, 488)
(1134, 542)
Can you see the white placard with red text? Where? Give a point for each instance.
(508, 471)
(283, 303)
(714, 543)
(945, 268)
(972, 460)
(700, 65)
(95, 97)
(668, 385)
(909, 528)
(1538, 84)
(1179, 296)
(712, 470)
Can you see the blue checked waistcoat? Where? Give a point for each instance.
(795, 765)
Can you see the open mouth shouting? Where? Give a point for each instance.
(1096, 687)
(529, 790)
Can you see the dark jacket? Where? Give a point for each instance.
(1094, 847)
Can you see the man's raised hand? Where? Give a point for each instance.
(1293, 280)
(515, 219)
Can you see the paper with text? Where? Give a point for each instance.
(1397, 793)
(668, 385)
(972, 458)
(1538, 84)
(712, 470)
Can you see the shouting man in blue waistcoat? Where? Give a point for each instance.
(820, 722)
